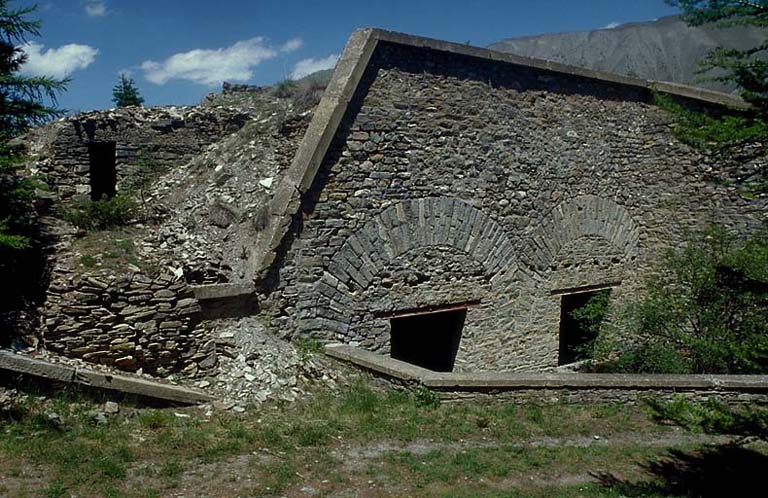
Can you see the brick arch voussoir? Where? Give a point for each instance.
(408, 225)
(583, 216)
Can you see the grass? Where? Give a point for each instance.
(388, 442)
(111, 249)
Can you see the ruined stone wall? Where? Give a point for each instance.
(455, 179)
(153, 138)
(131, 322)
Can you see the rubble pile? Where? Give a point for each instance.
(256, 366)
(216, 202)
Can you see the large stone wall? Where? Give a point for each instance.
(159, 138)
(454, 179)
(130, 322)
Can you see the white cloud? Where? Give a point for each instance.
(95, 8)
(309, 66)
(291, 45)
(57, 62)
(611, 25)
(211, 66)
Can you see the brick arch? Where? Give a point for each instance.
(398, 229)
(583, 216)
(431, 221)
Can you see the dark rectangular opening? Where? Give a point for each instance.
(429, 340)
(102, 170)
(580, 317)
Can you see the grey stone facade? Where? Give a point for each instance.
(160, 137)
(128, 322)
(456, 179)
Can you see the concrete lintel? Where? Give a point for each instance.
(22, 364)
(222, 291)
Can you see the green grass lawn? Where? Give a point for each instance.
(361, 441)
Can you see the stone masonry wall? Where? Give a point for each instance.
(161, 137)
(454, 179)
(132, 322)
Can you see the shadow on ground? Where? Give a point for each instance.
(712, 472)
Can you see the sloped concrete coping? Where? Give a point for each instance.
(22, 364)
(353, 62)
(510, 381)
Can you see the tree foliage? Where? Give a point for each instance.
(24, 102)
(125, 93)
(748, 68)
(729, 133)
(22, 105)
(705, 313)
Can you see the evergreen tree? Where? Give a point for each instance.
(125, 93)
(22, 105)
(733, 133)
(747, 68)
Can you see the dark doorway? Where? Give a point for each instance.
(429, 340)
(580, 317)
(101, 156)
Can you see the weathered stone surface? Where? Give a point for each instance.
(168, 330)
(457, 178)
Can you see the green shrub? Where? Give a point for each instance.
(102, 214)
(713, 417)
(589, 319)
(705, 313)
(285, 88)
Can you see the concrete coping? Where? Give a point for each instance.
(510, 381)
(27, 365)
(678, 89)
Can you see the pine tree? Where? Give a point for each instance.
(731, 134)
(22, 105)
(748, 68)
(125, 93)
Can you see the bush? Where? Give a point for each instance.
(102, 214)
(285, 88)
(705, 313)
(713, 417)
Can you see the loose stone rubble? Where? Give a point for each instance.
(254, 366)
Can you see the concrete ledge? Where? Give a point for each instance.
(468, 382)
(222, 291)
(132, 385)
(377, 363)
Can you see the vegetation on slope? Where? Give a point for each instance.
(363, 441)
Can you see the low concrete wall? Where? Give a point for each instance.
(559, 387)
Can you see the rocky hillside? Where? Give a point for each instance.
(665, 49)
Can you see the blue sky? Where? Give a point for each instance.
(177, 51)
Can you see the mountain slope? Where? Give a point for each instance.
(665, 49)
